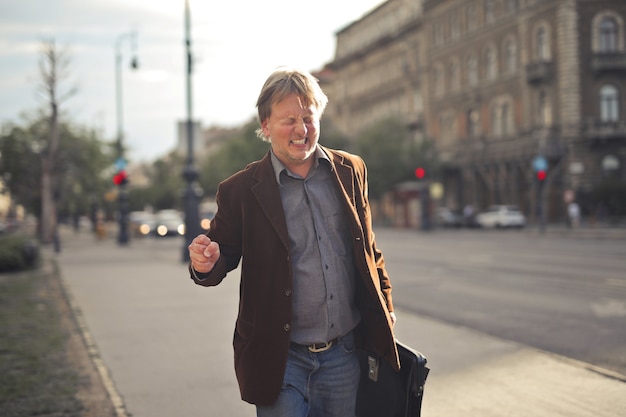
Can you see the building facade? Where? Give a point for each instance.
(498, 85)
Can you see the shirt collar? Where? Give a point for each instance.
(279, 167)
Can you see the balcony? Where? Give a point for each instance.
(599, 130)
(539, 72)
(608, 61)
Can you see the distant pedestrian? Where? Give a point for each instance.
(573, 213)
(313, 282)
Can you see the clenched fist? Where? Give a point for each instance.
(203, 253)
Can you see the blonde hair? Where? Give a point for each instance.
(283, 82)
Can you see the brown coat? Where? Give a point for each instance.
(250, 225)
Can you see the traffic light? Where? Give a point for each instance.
(541, 175)
(120, 178)
(420, 173)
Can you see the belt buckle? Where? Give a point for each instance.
(320, 347)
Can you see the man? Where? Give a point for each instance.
(313, 283)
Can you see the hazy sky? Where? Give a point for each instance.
(236, 45)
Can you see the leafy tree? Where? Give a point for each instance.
(165, 191)
(238, 150)
(392, 156)
(82, 157)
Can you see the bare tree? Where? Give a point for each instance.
(53, 65)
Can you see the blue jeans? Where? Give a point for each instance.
(320, 384)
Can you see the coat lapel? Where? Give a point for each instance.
(345, 176)
(268, 197)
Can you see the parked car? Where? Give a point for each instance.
(169, 223)
(501, 216)
(447, 218)
(141, 223)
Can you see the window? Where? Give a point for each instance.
(510, 56)
(473, 123)
(609, 104)
(439, 81)
(496, 121)
(455, 79)
(455, 26)
(510, 6)
(491, 64)
(490, 11)
(608, 35)
(544, 111)
(472, 70)
(438, 34)
(507, 120)
(542, 50)
(472, 21)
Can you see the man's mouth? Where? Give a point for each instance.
(299, 141)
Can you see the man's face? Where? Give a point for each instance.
(293, 129)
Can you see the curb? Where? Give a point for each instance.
(89, 343)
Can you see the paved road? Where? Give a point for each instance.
(566, 296)
(166, 344)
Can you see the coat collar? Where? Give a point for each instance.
(267, 194)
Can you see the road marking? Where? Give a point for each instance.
(609, 308)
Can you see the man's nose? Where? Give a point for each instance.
(301, 129)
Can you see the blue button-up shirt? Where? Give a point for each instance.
(321, 253)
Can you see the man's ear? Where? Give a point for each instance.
(265, 128)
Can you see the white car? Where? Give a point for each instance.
(501, 216)
(169, 223)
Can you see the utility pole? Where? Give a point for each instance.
(120, 179)
(193, 192)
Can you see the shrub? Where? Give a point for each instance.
(18, 252)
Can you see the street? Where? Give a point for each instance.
(562, 295)
(165, 344)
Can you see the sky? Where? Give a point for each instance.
(236, 44)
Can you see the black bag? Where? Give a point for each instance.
(383, 392)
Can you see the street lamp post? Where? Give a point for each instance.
(193, 192)
(120, 163)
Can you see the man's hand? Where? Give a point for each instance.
(203, 253)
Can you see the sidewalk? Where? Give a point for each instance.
(144, 319)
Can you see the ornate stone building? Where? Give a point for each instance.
(496, 84)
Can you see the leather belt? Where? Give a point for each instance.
(321, 347)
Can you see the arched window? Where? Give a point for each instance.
(609, 104)
(507, 125)
(608, 32)
(608, 35)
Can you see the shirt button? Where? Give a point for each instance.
(286, 327)
(288, 292)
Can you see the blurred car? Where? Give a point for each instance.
(501, 216)
(141, 223)
(169, 223)
(447, 218)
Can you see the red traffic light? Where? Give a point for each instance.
(541, 175)
(420, 173)
(120, 178)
